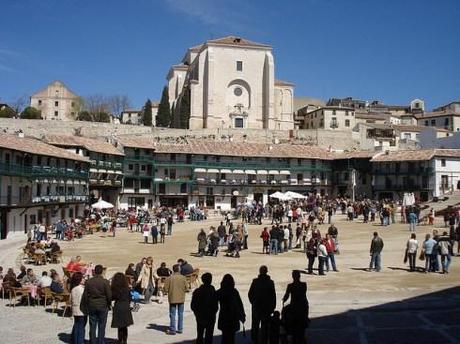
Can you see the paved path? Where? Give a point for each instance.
(351, 306)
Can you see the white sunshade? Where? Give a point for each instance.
(273, 172)
(158, 179)
(224, 170)
(238, 171)
(101, 204)
(295, 195)
(285, 173)
(199, 170)
(277, 194)
(213, 170)
(263, 172)
(69, 182)
(250, 172)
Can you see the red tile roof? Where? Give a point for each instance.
(94, 145)
(416, 155)
(34, 146)
(234, 40)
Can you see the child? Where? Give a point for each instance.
(275, 324)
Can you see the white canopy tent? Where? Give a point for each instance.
(101, 204)
(295, 195)
(281, 196)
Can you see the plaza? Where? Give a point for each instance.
(349, 306)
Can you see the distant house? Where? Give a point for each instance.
(56, 102)
(136, 117)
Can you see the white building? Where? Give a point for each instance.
(230, 83)
(39, 183)
(56, 102)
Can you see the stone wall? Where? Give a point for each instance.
(336, 139)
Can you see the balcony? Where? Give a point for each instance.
(41, 171)
(6, 201)
(403, 171)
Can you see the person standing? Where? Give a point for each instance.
(202, 242)
(170, 224)
(204, 305)
(222, 234)
(412, 247)
(175, 287)
(312, 251)
(262, 297)
(147, 278)
(231, 310)
(96, 300)
(322, 256)
(412, 220)
(146, 233)
(121, 315)
(296, 313)
(330, 248)
(245, 232)
(428, 246)
(375, 251)
(265, 241)
(76, 292)
(444, 249)
(273, 240)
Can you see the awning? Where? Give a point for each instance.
(213, 170)
(158, 179)
(202, 170)
(285, 173)
(69, 182)
(238, 171)
(250, 172)
(93, 170)
(224, 170)
(273, 172)
(263, 172)
(118, 172)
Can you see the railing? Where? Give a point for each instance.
(107, 165)
(37, 200)
(41, 171)
(392, 170)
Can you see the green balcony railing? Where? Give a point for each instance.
(41, 171)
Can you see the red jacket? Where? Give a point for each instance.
(330, 246)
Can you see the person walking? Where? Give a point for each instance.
(170, 224)
(202, 242)
(147, 279)
(375, 251)
(96, 299)
(77, 288)
(262, 297)
(121, 314)
(205, 305)
(296, 313)
(231, 311)
(175, 287)
(445, 247)
(412, 247)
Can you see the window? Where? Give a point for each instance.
(238, 91)
(209, 191)
(130, 167)
(407, 136)
(56, 103)
(446, 121)
(72, 104)
(56, 113)
(313, 163)
(433, 122)
(443, 162)
(183, 188)
(162, 188)
(39, 102)
(239, 123)
(239, 66)
(347, 122)
(172, 173)
(142, 167)
(346, 112)
(129, 183)
(426, 123)
(145, 184)
(71, 213)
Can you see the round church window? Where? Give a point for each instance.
(238, 91)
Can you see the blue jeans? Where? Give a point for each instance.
(97, 318)
(274, 246)
(173, 309)
(78, 330)
(331, 257)
(445, 259)
(412, 226)
(375, 261)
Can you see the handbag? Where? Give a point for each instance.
(405, 257)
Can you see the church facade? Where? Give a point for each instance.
(229, 83)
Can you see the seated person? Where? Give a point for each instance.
(56, 285)
(45, 280)
(75, 264)
(55, 247)
(185, 267)
(29, 278)
(22, 273)
(39, 249)
(10, 278)
(163, 271)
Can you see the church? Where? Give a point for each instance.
(229, 83)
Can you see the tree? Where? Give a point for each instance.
(19, 103)
(148, 113)
(84, 116)
(96, 103)
(7, 112)
(173, 117)
(184, 110)
(101, 117)
(163, 118)
(31, 113)
(116, 104)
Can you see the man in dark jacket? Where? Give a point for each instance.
(263, 300)
(375, 250)
(204, 306)
(95, 302)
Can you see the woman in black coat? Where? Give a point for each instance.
(296, 313)
(121, 315)
(231, 310)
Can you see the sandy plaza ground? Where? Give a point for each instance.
(349, 306)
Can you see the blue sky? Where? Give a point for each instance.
(392, 50)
